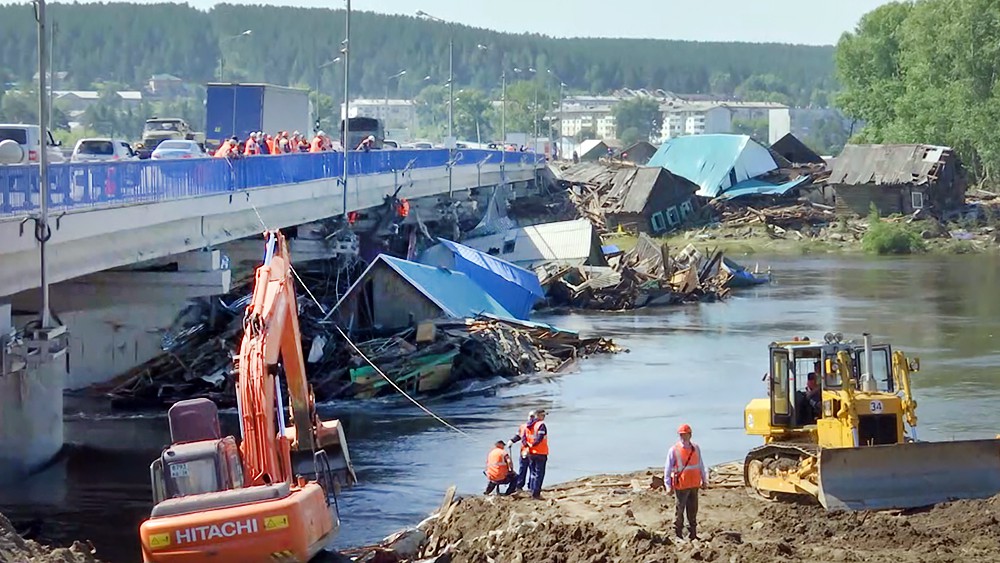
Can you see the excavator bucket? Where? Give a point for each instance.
(908, 475)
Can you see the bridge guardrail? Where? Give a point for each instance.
(84, 185)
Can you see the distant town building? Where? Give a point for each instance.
(165, 85)
(75, 102)
(395, 114)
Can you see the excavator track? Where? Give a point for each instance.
(771, 458)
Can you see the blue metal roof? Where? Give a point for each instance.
(715, 162)
(760, 187)
(515, 288)
(456, 294)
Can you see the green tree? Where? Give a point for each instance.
(641, 113)
(471, 115)
(927, 72)
(758, 129)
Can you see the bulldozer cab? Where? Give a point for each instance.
(799, 366)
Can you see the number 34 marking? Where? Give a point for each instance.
(876, 406)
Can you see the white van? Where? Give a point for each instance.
(102, 149)
(20, 144)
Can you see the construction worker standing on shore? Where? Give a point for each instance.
(499, 470)
(684, 473)
(522, 436)
(538, 453)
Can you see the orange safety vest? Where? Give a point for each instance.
(523, 433)
(497, 465)
(316, 145)
(224, 150)
(251, 147)
(404, 208)
(543, 447)
(687, 468)
(270, 145)
(352, 217)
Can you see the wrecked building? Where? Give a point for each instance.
(566, 243)
(639, 153)
(393, 294)
(795, 151)
(635, 199)
(727, 166)
(650, 200)
(897, 179)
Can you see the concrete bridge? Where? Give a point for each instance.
(130, 242)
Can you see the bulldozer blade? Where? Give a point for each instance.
(908, 475)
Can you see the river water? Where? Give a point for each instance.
(698, 364)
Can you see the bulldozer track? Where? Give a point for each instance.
(792, 453)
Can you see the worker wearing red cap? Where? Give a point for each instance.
(684, 473)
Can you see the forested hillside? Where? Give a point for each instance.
(126, 43)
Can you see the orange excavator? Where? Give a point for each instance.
(272, 497)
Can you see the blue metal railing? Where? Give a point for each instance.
(83, 185)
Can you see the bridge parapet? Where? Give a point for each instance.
(76, 186)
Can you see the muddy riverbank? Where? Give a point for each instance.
(611, 518)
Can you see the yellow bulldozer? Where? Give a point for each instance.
(840, 426)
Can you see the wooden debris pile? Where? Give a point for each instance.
(644, 276)
(786, 217)
(198, 361)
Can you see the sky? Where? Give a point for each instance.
(810, 22)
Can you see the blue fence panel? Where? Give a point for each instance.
(82, 185)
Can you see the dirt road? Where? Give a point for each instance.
(618, 518)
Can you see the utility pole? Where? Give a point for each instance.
(42, 231)
(347, 99)
(503, 107)
(52, 66)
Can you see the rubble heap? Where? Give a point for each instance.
(198, 359)
(14, 548)
(644, 276)
(796, 216)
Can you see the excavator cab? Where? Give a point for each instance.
(198, 460)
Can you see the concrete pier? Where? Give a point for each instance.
(31, 398)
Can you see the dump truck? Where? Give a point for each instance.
(840, 426)
(233, 109)
(159, 129)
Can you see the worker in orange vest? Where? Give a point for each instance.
(684, 473)
(251, 148)
(317, 143)
(522, 436)
(270, 144)
(228, 149)
(538, 453)
(499, 470)
(404, 208)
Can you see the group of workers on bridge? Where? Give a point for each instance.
(684, 472)
(260, 143)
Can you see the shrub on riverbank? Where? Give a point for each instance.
(883, 237)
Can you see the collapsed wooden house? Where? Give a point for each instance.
(897, 179)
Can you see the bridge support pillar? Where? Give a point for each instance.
(31, 397)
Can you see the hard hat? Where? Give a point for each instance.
(531, 414)
(371, 137)
(539, 411)
(321, 134)
(684, 429)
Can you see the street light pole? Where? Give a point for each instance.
(222, 55)
(42, 226)
(503, 107)
(319, 85)
(387, 81)
(347, 100)
(451, 91)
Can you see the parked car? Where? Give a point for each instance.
(173, 149)
(422, 145)
(102, 149)
(389, 144)
(20, 144)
